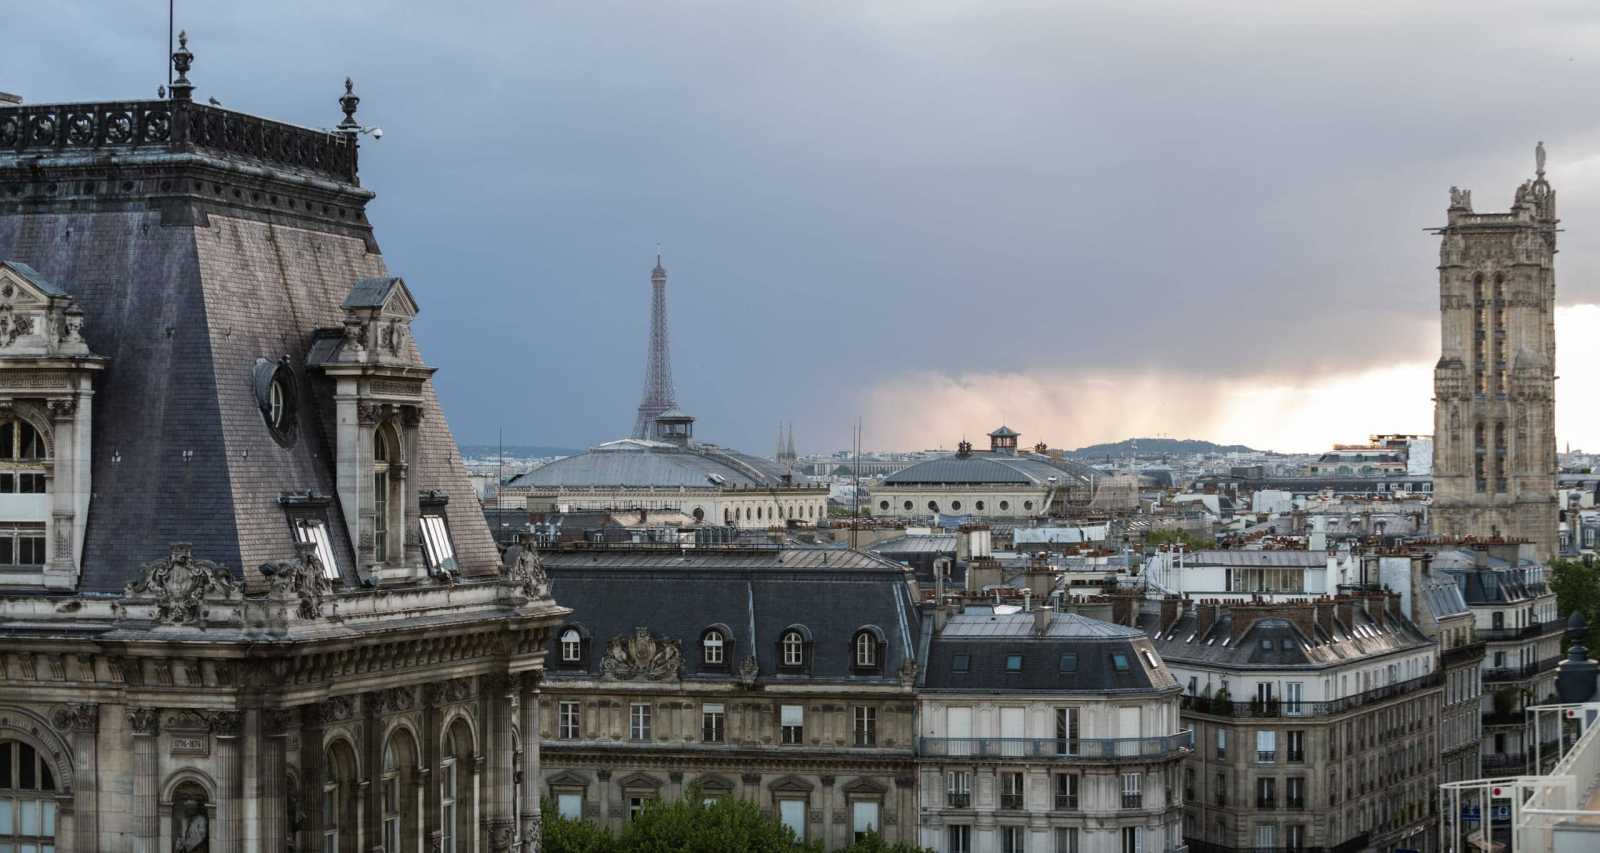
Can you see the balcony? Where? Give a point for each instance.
(1277, 708)
(1132, 801)
(958, 801)
(1461, 654)
(1537, 629)
(1011, 802)
(1504, 761)
(1520, 673)
(1051, 749)
(1351, 846)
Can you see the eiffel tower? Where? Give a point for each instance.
(658, 395)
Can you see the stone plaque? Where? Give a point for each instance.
(199, 744)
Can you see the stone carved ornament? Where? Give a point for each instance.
(180, 585)
(76, 717)
(300, 578)
(527, 573)
(642, 656)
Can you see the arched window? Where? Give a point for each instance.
(340, 795)
(794, 649)
(447, 793)
(391, 798)
(385, 453)
(571, 646)
(22, 472)
(713, 647)
(27, 798)
(866, 650)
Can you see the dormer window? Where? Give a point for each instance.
(712, 648)
(792, 649)
(315, 532)
(385, 452)
(867, 649)
(571, 646)
(436, 544)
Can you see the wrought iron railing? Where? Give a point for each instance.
(1518, 673)
(1274, 708)
(175, 126)
(1537, 629)
(1096, 749)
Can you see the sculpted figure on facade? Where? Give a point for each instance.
(642, 656)
(194, 830)
(302, 578)
(180, 585)
(527, 572)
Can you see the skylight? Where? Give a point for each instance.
(313, 531)
(436, 544)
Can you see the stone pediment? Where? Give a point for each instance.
(37, 318)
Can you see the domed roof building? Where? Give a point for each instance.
(662, 474)
(1001, 482)
(672, 474)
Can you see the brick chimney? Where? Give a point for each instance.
(1205, 615)
(1302, 615)
(1122, 610)
(1345, 609)
(1171, 609)
(1324, 616)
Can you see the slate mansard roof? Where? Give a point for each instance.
(1286, 635)
(1073, 654)
(192, 259)
(756, 593)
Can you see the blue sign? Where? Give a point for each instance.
(1472, 813)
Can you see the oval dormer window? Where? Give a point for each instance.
(275, 394)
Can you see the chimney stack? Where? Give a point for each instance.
(1205, 615)
(1041, 620)
(1171, 609)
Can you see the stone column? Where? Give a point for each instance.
(82, 721)
(372, 762)
(432, 736)
(825, 832)
(499, 824)
(145, 724)
(906, 794)
(603, 788)
(411, 422)
(531, 829)
(312, 771)
(273, 784)
(226, 727)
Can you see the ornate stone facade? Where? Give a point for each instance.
(1494, 386)
(228, 649)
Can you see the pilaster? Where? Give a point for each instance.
(145, 820)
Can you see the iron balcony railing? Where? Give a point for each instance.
(1537, 629)
(1273, 708)
(1093, 749)
(1462, 653)
(1351, 846)
(1518, 673)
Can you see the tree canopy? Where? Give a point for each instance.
(1577, 587)
(692, 825)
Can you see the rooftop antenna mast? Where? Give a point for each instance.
(167, 60)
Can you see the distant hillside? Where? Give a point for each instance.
(515, 451)
(1156, 447)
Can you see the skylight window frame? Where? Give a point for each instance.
(313, 530)
(438, 546)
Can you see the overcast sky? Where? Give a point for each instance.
(1088, 220)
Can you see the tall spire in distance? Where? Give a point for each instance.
(658, 393)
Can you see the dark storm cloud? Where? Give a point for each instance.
(852, 194)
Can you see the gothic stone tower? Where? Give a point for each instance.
(1494, 386)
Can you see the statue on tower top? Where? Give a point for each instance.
(1538, 159)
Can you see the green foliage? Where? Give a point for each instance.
(688, 825)
(874, 843)
(1178, 536)
(572, 836)
(1577, 587)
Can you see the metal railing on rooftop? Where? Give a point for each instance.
(1091, 749)
(1275, 708)
(175, 126)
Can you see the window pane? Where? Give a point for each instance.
(865, 816)
(26, 778)
(793, 715)
(29, 823)
(793, 815)
(570, 806)
(7, 819)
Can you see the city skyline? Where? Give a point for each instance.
(1218, 254)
